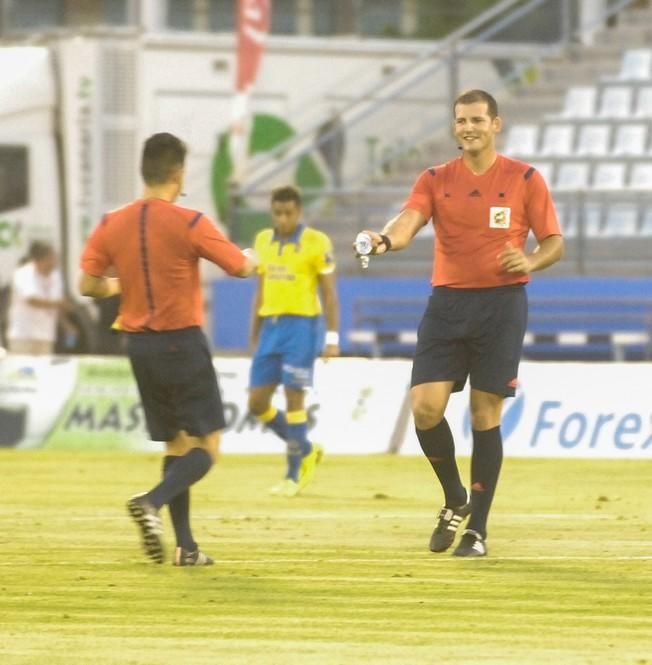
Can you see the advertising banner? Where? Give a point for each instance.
(353, 407)
(103, 410)
(590, 410)
(93, 403)
(33, 391)
(357, 406)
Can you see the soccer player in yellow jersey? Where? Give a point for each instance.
(295, 267)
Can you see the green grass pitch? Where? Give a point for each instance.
(339, 575)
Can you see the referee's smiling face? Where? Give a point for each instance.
(285, 217)
(474, 129)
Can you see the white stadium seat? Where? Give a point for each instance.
(621, 220)
(580, 102)
(616, 102)
(646, 224)
(567, 215)
(522, 140)
(609, 175)
(592, 216)
(593, 140)
(644, 102)
(636, 65)
(641, 176)
(631, 140)
(557, 140)
(572, 176)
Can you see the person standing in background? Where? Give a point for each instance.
(331, 144)
(295, 262)
(36, 302)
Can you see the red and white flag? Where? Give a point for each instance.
(253, 27)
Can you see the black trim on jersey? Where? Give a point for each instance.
(195, 219)
(431, 170)
(145, 260)
(529, 172)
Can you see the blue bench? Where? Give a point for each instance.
(559, 327)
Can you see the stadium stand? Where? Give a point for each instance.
(595, 157)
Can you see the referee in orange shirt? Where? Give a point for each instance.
(154, 246)
(483, 206)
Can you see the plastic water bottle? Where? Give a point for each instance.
(363, 247)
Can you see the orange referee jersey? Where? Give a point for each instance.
(155, 247)
(474, 216)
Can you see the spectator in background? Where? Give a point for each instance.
(331, 144)
(36, 302)
(295, 262)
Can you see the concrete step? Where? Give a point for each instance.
(635, 35)
(637, 13)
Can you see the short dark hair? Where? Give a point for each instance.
(287, 193)
(163, 154)
(39, 250)
(473, 96)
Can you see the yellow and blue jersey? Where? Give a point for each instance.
(290, 269)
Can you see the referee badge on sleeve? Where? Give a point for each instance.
(499, 217)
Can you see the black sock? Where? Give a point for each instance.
(486, 460)
(186, 471)
(438, 446)
(179, 508)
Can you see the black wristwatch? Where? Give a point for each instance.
(386, 241)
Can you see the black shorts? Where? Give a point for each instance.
(177, 382)
(476, 333)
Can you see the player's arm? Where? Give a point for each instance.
(328, 292)
(256, 319)
(98, 287)
(46, 303)
(94, 261)
(211, 244)
(540, 210)
(398, 232)
(548, 251)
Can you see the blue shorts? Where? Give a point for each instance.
(177, 382)
(286, 351)
(476, 333)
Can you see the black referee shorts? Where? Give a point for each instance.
(177, 382)
(476, 333)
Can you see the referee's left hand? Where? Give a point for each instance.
(513, 259)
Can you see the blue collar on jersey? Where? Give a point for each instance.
(294, 238)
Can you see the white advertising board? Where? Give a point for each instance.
(567, 410)
(358, 406)
(353, 407)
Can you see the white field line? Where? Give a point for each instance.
(318, 515)
(403, 561)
